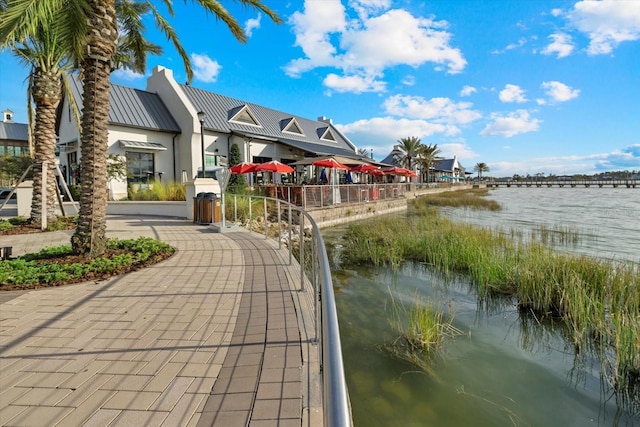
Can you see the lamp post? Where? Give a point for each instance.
(371, 153)
(201, 117)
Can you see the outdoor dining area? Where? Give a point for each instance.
(328, 180)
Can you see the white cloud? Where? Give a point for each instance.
(627, 158)
(126, 74)
(313, 29)
(512, 93)
(252, 24)
(511, 46)
(397, 37)
(440, 110)
(556, 12)
(514, 123)
(607, 23)
(365, 8)
(559, 92)
(561, 46)
(412, 116)
(409, 81)
(353, 83)
(205, 69)
(468, 90)
(369, 44)
(381, 133)
(461, 150)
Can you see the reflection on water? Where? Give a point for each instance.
(511, 368)
(508, 370)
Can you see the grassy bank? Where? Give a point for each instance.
(598, 299)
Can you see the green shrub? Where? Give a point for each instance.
(38, 269)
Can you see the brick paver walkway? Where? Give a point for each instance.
(216, 335)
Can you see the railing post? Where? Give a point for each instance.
(235, 208)
(250, 215)
(301, 252)
(290, 241)
(279, 224)
(266, 223)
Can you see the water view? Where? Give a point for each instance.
(506, 368)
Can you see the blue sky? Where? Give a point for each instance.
(525, 86)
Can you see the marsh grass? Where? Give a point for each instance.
(422, 330)
(598, 299)
(468, 198)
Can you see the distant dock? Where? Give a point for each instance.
(618, 183)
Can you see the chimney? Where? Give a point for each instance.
(325, 120)
(7, 116)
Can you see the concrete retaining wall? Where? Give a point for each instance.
(334, 215)
(169, 209)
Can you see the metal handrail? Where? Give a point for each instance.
(336, 404)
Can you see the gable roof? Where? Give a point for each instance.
(14, 131)
(220, 109)
(447, 165)
(133, 107)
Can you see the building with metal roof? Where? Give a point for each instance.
(14, 137)
(172, 130)
(451, 168)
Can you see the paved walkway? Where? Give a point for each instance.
(219, 334)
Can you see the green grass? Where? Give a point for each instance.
(422, 330)
(468, 198)
(596, 298)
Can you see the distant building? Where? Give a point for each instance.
(14, 137)
(447, 168)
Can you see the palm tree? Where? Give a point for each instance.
(44, 51)
(363, 152)
(427, 155)
(90, 29)
(480, 168)
(410, 146)
(48, 61)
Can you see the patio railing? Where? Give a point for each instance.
(319, 196)
(314, 267)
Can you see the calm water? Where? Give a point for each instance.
(506, 370)
(607, 220)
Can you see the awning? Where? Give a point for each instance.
(139, 145)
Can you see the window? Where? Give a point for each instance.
(244, 116)
(291, 126)
(326, 134)
(140, 166)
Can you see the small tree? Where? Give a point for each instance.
(237, 182)
(12, 168)
(116, 168)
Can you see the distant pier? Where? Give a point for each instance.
(615, 183)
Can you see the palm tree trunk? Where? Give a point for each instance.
(90, 236)
(46, 94)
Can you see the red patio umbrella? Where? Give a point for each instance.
(330, 163)
(274, 166)
(376, 172)
(364, 168)
(242, 168)
(398, 171)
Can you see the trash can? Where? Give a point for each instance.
(197, 203)
(206, 208)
